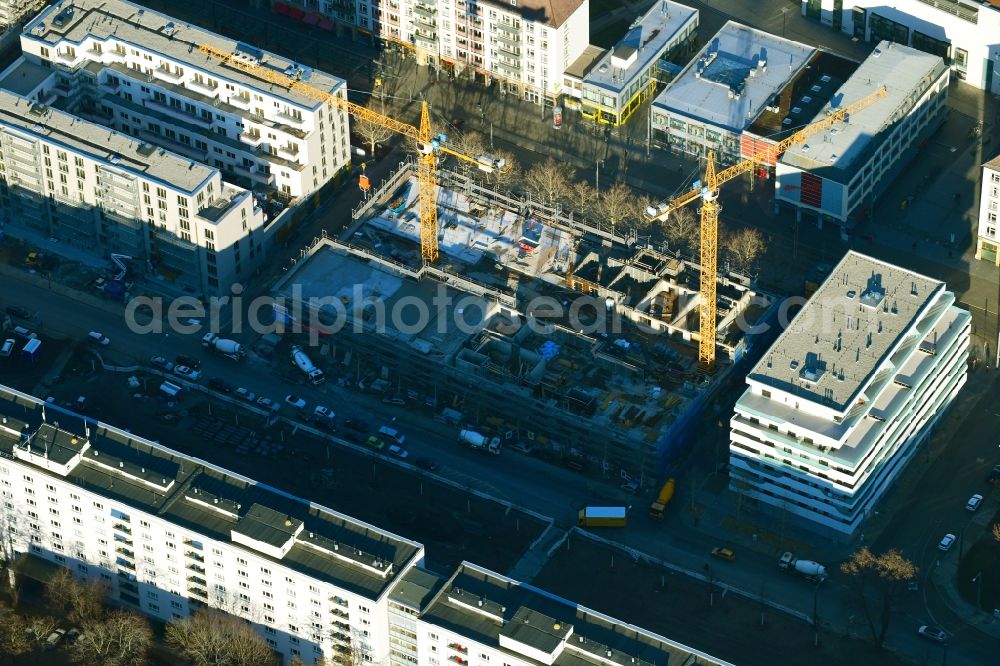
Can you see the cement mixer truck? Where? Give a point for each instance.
(302, 361)
(228, 348)
(812, 571)
(480, 442)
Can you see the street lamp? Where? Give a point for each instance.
(597, 175)
(978, 580)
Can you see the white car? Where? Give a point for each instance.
(974, 502)
(98, 338)
(295, 401)
(246, 394)
(322, 412)
(8, 347)
(187, 373)
(267, 403)
(398, 451)
(947, 542)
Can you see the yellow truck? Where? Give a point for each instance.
(602, 516)
(659, 505)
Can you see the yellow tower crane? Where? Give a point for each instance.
(428, 144)
(708, 193)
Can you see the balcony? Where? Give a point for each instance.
(509, 49)
(458, 660)
(297, 120)
(122, 527)
(251, 138)
(166, 74)
(340, 613)
(510, 70)
(428, 40)
(197, 581)
(458, 648)
(193, 544)
(339, 601)
(122, 562)
(176, 112)
(240, 102)
(204, 87)
(66, 56)
(128, 586)
(505, 38)
(509, 29)
(198, 592)
(289, 152)
(194, 556)
(125, 552)
(342, 625)
(340, 637)
(196, 568)
(425, 12)
(120, 539)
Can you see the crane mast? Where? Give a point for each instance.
(708, 193)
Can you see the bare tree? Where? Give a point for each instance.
(470, 144)
(617, 204)
(877, 580)
(80, 602)
(547, 182)
(351, 655)
(39, 628)
(682, 230)
(584, 198)
(213, 638)
(14, 640)
(371, 132)
(120, 638)
(743, 248)
(996, 532)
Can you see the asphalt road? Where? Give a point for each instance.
(557, 492)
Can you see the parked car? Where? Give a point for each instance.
(724, 553)
(162, 363)
(186, 372)
(221, 385)
(974, 502)
(521, 447)
(54, 638)
(375, 443)
(947, 542)
(993, 478)
(8, 347)
(98, 338)
(398, 451)
(392, 434)
(932, 633)
(267, 403)
(73, 634)
(393, 400)
(18, 311)
(189, 361)
(426, 463)
(356, 424)
(246, 394)
(22, 332)
(295, 401)
(631, 487)
(323, 413)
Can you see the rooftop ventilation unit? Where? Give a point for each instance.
(169, 29)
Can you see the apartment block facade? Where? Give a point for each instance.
(105, 192)
(168, 534)
(522, 45)
(141, 73)
(847, 394)
(837, 175)
(988, 243)
(963, 32)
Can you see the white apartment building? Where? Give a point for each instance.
(847, 394)
(105, 192)
(169, 534)
(838, 174)
(12, 11)
(963, 32)
(522, 45)
(141, 73)
(610, 85)
(988, 245)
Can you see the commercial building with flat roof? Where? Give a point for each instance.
(988, 243)
(847, 394)
(963, 32)
(107, 192)
(610, 87)
(168, 534)
(140, 72)
(837, 174)
(737, 76)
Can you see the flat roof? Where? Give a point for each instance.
(102, 144)
(517, 618)
(581, 66)
(202, 498)
(23, 76)
(416, 588)
(729, 63)
(993, 164)
(118, 20)
(647, 39)
(906, 74)
(846, 330)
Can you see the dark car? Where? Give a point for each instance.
(189, 361)
(356, 425)
(393, 400)
(18, 311)
(220, 385)
(426, 463)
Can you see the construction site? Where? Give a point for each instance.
(568, 339)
